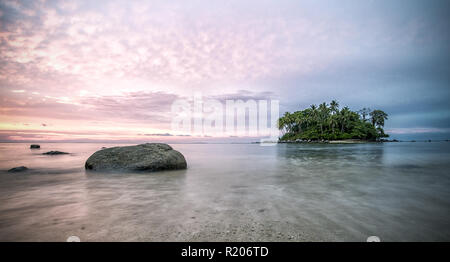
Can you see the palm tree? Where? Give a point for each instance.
(285, 122)
(364, 112)
(378, 117)
(282, 121)
(344, 118)
(307, 117)
(334, 121)
(298, 119)
(334, 106)
(323, 115)
(313, 114)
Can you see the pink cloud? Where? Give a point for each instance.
(89, 66)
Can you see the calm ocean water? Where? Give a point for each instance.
(232, 192)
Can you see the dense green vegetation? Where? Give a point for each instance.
(328, 122)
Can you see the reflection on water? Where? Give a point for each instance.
(234, 192)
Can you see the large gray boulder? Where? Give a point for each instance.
(146, 157)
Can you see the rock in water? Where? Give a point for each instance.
(34, 146)
(146, 157)
(18, 169)
(55, 153)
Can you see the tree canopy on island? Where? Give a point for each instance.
(328, 122)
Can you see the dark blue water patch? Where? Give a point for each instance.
(407, 166)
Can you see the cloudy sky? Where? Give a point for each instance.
(110, 70)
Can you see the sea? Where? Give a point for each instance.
(231, 192)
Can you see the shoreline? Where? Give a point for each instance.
(344, 141)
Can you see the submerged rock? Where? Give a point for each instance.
(34, 146)
(55, 153)
(146, 157)
(18, 169)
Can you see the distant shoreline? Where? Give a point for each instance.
(352, 141)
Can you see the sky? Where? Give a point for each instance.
(110, 70)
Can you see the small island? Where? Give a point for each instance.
(328, 123)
